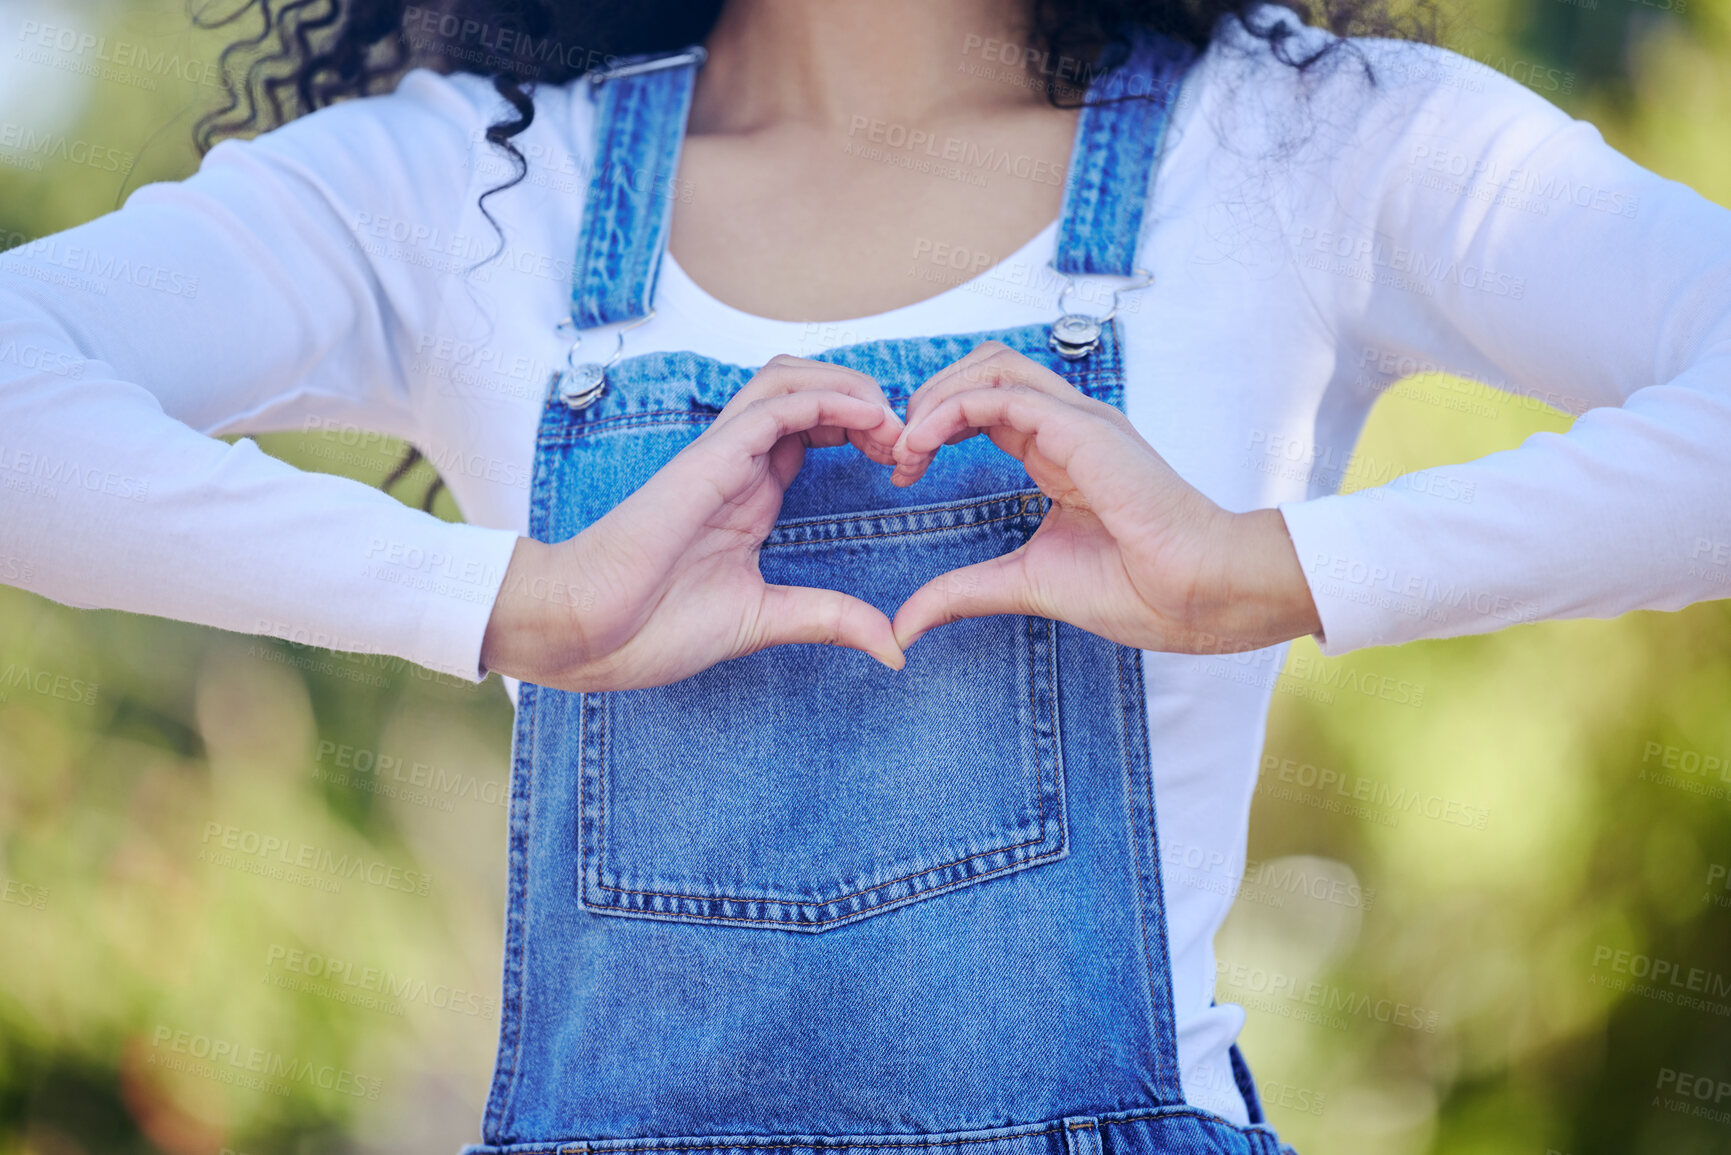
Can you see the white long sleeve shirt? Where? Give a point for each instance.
(1312, 239)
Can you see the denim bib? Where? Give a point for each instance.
(800, 902)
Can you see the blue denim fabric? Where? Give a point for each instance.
(625, 218)
(803, 902)
(1117, 140)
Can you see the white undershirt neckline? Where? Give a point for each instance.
(676, 290)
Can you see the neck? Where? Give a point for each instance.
(822, 63)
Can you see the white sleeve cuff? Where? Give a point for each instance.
(1346, 580)
(457, 586)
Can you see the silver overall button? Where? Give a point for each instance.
(1075, 335)
(581, 385)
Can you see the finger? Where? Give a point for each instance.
(809, 413)
(989, 587)
(735, 452)
(803, 614)
(991, 365)
(1012, 416)
(950, 378)
(1078, 456)
(785, 459)
(814, 414)
(785, 374)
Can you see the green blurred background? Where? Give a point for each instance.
(1469, 993)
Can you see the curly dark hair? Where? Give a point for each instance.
(305, 54)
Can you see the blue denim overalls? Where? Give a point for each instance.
(800, 902)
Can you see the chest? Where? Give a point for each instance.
(801, 223)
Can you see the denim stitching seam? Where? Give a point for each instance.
(1179, 1111)
(1040, 801)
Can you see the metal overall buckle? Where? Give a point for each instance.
(1075, 335)
(696, 54)
(580, 384)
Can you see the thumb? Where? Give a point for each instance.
(973, 591)
(804, 614)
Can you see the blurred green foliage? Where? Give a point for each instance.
(160, 993)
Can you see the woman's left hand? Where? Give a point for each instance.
(1129, 550)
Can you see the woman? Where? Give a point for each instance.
(908, 891)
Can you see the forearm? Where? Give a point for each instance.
(1253, 593)
(111, 504)
(536, 625)
(1631, 509)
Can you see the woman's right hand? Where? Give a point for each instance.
(666, 584)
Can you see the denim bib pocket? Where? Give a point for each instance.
(727, 799)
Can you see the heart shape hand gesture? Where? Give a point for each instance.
(1128, 549)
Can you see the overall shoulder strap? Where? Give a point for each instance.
(641, 105)
(1124, 116)
(641, 109)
